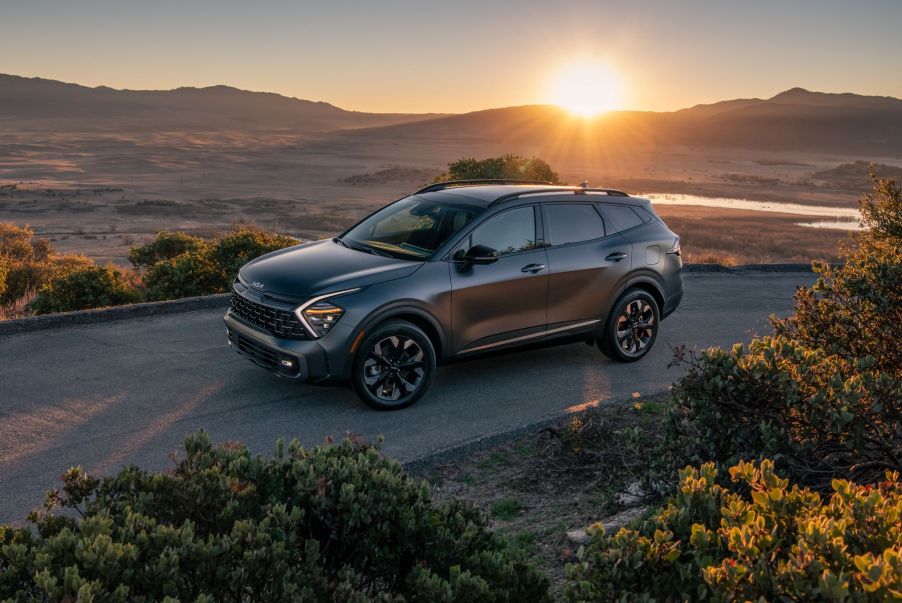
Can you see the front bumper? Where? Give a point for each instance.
(298, 360)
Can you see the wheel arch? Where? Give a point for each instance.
(413, 314)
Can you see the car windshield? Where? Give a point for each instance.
(412, 228)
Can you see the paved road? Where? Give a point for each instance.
(128, 391)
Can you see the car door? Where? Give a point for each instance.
(502, 302)
(586, 262)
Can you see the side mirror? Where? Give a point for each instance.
(480, 254)
(477, 254)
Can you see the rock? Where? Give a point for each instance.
(611, 525)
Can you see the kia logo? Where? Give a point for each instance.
(257, 285)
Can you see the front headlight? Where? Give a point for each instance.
(321, 316)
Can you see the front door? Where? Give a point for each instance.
(503, 302)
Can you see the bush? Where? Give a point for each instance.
(166, 246)
(242, 244)
(187, 275)
(83, 288)
(823, 396)
(336, 522)
(511, 167)
(27, 263)
(179, 265)
(757, 540)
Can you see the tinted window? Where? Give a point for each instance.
(572, 223)
(411, 228)
(619, 217)
(506, 233)
(644, 214)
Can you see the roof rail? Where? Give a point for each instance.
(438, 186)
(573, 190)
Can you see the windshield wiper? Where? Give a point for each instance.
(363, 247)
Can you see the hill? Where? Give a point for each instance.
(36, 99)
(794, 120)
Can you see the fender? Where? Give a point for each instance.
(641, 276)
(400, 307)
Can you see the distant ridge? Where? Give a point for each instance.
(795, 119)
(212, 106)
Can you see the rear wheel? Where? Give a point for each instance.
(394, 366)
(632, 327)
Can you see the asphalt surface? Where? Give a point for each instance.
(105, 395)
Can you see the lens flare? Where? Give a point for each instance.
(587, 88)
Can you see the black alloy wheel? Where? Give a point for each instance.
(394, 366)
(632, 327)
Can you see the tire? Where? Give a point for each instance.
(394, 366)
(632, 327)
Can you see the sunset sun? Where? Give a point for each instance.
(587, 89)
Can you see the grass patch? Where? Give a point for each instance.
(506, 508)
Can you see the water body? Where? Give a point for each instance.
(847, 218)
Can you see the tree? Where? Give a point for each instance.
(506, 167)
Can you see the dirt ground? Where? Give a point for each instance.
(539, 486)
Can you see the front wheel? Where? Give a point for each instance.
(632, 327)
(394, 366)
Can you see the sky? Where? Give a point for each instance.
(461, 55)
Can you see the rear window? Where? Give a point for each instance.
(572, 223)
(620, 217)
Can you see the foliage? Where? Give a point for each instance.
(755, 540)
(27, 263)
(179, 265)
(855, 310)
(166, 246)
(83, 288)
(336, 522)
(242, 244)
(186, 275)
(823, 395)
(510, 167)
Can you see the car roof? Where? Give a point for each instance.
(484, 195)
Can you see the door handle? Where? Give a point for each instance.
(616, 256)
(532, 268)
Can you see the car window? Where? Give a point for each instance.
(644, 214)
(619, 217)
(572, 223)
(412, 228)
(506, 233)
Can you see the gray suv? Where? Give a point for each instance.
(454, 271)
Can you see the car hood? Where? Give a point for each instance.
(320, 267)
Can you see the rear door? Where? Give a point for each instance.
(501, 303)
(586, 262)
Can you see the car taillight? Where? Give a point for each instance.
(675, 248)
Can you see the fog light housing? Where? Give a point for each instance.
(321, 316)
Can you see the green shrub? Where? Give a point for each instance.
(177, 265)
(757, 540)
(83, 288)
(336, 522)
(511, 167)
(166, 246)
(823, 396)
(242, 244)
(186, 275)
(856, 310)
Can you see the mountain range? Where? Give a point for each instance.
(794, 120)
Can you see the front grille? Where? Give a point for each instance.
(265, 357)
(280, 323)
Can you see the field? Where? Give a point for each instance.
(102, 189)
